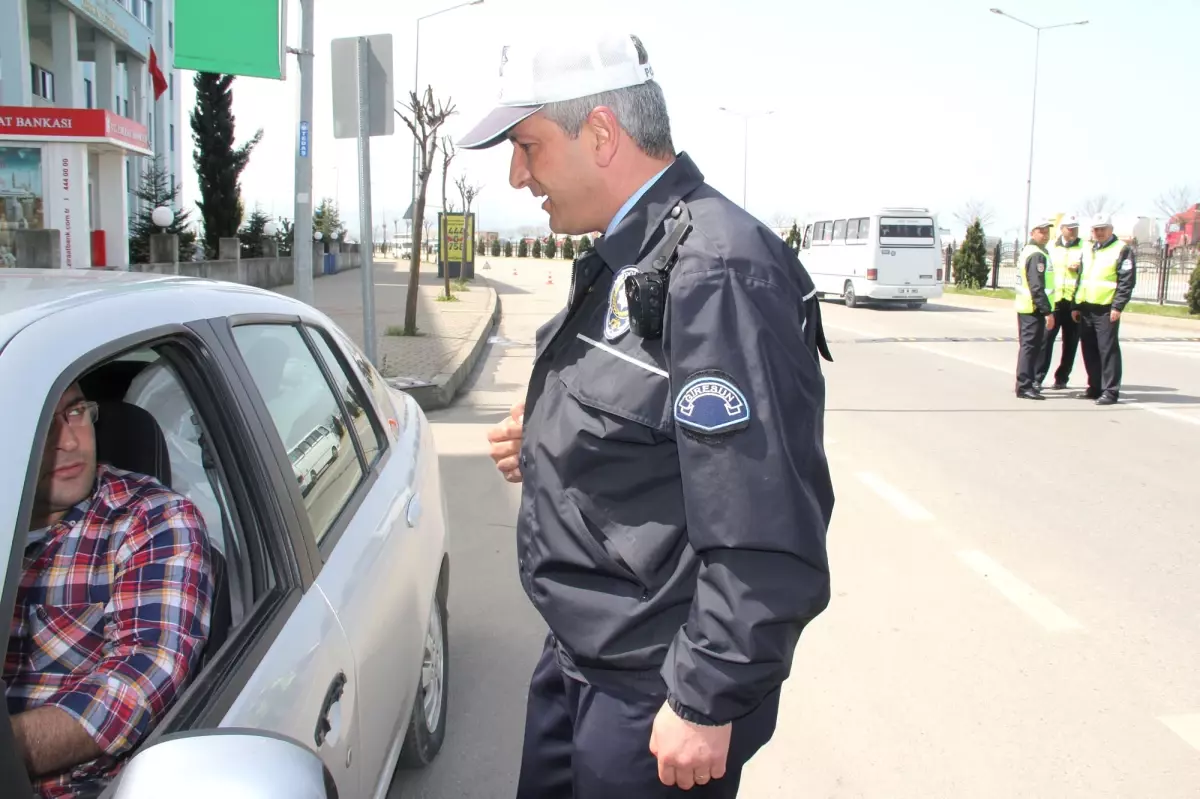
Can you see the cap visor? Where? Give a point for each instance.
(495, 126)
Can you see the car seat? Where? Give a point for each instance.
(128, 438)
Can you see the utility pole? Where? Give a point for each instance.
(302, 232)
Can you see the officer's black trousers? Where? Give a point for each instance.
(1070, 343)
(1098, 338)
(1031, 332)
(585, 743)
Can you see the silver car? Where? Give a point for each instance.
(329, 617)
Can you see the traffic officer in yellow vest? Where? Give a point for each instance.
(1105, 288)
(1066, 257)
(1035, 307)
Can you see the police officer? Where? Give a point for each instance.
(1034, 302)
(1105, 288)
(676, 493)
(1066, 258)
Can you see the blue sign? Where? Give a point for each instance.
(304, 139)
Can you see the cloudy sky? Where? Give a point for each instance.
(923, 103)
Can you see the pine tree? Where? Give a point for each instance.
(794, 238)
(569, 248)
(285, 236)
(1193, 292)
(496, 248)
(523, 250)
(154, 190)
(551, 248)
(585, 243)
(252, 234)
(508, 249)
(328, 220)
(219, 164)
(537, 248)
(970, 262)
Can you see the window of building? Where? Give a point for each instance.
(87, 93)
(170, 34)
(171, 85)
(43, 82)
(172, 137)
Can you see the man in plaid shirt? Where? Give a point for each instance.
(112, 611)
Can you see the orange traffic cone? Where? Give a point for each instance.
(549, 278)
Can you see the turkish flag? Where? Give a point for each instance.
(156, 75)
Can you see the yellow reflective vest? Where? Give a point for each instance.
(1024, 298)
(1098, 284)
(1068, 262)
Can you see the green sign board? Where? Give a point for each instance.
(232, 37)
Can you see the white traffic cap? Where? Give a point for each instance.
(1042, 224)
(1070, 220)
(1101, 220)
(533, 74)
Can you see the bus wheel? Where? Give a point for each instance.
(851, 297)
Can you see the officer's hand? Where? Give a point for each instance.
(688, 754)
(506, 443)
(1074, 316)
(1050, 322)
(1114, 315)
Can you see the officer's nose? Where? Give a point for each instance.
(518, 168)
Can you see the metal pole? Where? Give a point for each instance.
(416, 146)
(364, 199)
(302, 232)
(1032, 123)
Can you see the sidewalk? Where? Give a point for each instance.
(451, 335)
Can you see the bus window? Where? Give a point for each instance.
(827, 231)
(852, 230)
(864, 228)
(807, 236)
(895, 231)
(839, 230)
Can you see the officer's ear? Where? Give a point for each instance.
(603, 134)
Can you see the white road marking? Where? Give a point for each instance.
(906, 507)
(1186, 727)
(1012, 588)
(1163, 412)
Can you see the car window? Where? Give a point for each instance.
(302, 405)
(366, 425)
(369, 376)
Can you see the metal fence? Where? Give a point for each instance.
(1162, 276)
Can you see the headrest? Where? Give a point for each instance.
(128, 438)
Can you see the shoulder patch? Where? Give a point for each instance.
(616, 317)
(1041, 267)
(1127, 265)
(711, 404)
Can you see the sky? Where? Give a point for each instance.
(923, 103)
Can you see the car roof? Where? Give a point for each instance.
(28, 295)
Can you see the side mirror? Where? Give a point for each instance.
(225, 762)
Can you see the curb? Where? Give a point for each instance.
(445, 386)
(1130, 318)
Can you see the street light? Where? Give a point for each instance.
(417, 90)
(745, 143)
(1033, 115)
(162, 216)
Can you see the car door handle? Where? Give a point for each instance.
(332, 695)
(412, 514)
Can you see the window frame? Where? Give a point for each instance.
(844, 224)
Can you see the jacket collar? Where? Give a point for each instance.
(1060, 243)
(634, 232)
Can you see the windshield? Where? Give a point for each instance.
(906, 231)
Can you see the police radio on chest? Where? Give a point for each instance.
(646, 292)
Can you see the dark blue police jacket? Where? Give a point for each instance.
(676, 492)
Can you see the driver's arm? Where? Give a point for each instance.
(160, 617)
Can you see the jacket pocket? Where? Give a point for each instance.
(66, 639)
(625, 379)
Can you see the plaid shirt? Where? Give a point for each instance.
(111, 616)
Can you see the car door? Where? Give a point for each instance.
(379, 568)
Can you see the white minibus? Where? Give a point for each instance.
(888, 255)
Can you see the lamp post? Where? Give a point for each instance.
(417, 90)
(163, 217)
(745, 144)
(1033, 115)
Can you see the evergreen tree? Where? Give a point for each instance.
(252, 234)
(154, 190)
(551, 248)
(523, 250)
(1193, 292)
(496, 248)
(795, 238)
(328, 220)
(970, 262)
(537, 248)
(585, 243)
(285, 236)
(219, 164)
(569, 248)
(508, 249)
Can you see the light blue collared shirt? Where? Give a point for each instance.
(637, 195)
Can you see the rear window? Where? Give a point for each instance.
(913, 232)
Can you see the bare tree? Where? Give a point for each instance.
(425, 117)
(528, 231)
(973, 211)
(1101, 204)
(1176, 200)
(448, 154)
(781, 220)
(468, 192)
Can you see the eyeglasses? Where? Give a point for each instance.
(81, 414)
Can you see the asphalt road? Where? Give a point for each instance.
(1016, 609)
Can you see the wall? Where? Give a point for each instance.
(264, 273)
